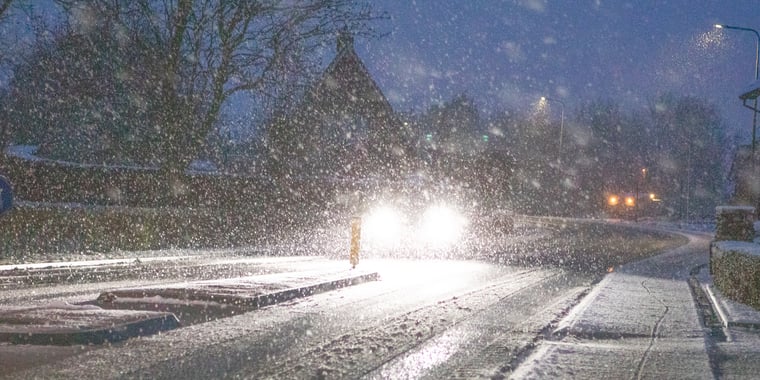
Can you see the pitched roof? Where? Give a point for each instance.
(347, 73)
(751, 91)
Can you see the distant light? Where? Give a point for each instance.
(719, 26)
(485, 138)
(613, 200)
(630, 201)
(429, 137)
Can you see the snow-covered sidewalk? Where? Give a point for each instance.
(643, 322)
(629, 326)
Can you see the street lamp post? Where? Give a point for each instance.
(636, 209)
(757, 71)
(561, 125)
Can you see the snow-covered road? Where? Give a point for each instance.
(423, 318)
(447, 312)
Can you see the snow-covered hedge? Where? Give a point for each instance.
(33, 228)
(734, 223)
(38, 180)
(735, 267)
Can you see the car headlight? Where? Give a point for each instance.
(441, 226)
(382, 227)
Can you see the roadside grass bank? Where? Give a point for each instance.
(33, 232)
(590, 246)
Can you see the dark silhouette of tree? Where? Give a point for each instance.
(215, 49)
(4, 6)
(192, 56)
(533, 140)
(458, 149)
(689, 140)
(679, 141)
(610, 148)
(454, 125)
(86, 97)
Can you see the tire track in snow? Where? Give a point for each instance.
(367, 349)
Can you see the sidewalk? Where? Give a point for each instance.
(642, 322)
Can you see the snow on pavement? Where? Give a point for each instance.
(639, 323)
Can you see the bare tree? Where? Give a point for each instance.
(5, 5)
(689, 136)
(5, 10)
(208, 50)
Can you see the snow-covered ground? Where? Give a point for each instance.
(700, 225)
(353, 329)
(29, 152)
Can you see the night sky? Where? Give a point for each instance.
(507, 53)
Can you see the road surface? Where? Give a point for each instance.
(475, 316)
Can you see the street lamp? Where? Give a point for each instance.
(561, 125)
(757, 71)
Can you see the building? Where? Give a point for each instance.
(344, 127)
(746, 165)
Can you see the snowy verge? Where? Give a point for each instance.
(67, 324)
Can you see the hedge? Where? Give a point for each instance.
(735, 269)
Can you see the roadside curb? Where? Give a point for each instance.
(202, 301)
(715, 304)
(245, 301)
(729, 313)
(724, 311)
(62, 337)
(305, 291)
(121, 314)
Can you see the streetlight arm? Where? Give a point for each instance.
(757, 48)
(554, 100)
(722, 26)
(757, 71)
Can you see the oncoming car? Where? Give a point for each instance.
(615, 201)
(412, 220)
(634, 205)
(424, 215)
(620, 205)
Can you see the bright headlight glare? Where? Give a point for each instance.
(442, 226)
(382, 226)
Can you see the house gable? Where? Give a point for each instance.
(344, 126)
